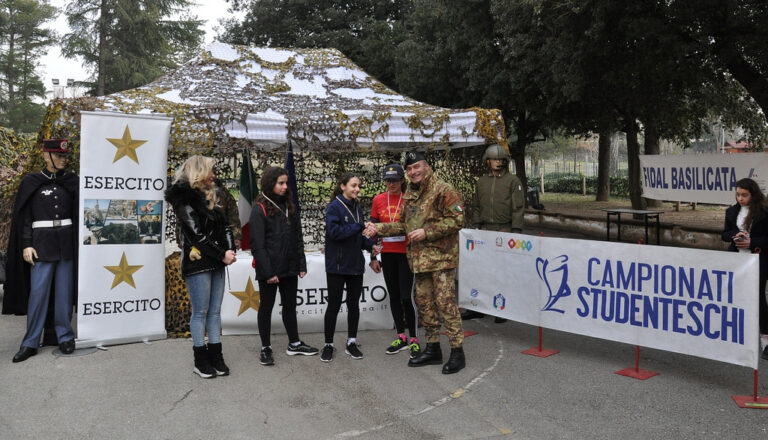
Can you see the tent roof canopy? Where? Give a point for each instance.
(236, 96)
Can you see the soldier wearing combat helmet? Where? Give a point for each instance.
(499, 201)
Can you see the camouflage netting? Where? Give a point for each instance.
(14, 157)
(315, 178)
(231, 100)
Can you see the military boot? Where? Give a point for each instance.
(456, 362)
(431, 355)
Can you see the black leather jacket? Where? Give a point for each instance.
(203, 228)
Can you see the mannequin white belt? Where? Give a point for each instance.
(51, 223)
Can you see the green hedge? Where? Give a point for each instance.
(571, 183)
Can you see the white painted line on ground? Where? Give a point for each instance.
(456, 394)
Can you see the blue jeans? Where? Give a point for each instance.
(206, 291)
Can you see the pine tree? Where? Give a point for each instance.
(23, 39)
(129, 43)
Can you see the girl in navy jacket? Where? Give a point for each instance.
(344, 261)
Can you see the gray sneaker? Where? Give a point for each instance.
(353, 351)
(302, 349)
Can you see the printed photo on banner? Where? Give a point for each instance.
(122, 221)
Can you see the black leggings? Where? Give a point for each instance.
(336, 284)
(399, 280)
(288, 286)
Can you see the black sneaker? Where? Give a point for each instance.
(302, 348)
(396, 346)
(414, 349)
(265, 357)
(327, 354)
(353, 351)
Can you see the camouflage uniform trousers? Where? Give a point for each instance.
(435, 297)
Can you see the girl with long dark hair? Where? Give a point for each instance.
(277, 246)
(344, 261)
(746, 228)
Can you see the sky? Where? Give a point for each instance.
(53, 65)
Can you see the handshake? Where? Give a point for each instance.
(414, 236)
(370, 230)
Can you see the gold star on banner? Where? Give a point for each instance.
(123, 272)
(250, 298)
(126, 146)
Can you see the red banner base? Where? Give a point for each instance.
(750, 402)
(544, 352)
(636, 373)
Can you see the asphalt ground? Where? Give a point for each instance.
(140, 391)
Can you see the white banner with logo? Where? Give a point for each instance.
(705, 178)
(690, 301)
(121, 266)
(241, 301)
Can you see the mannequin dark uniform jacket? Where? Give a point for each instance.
(51, 244)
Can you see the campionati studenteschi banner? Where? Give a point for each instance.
(121, 267)
(696, 302)
(705, 178)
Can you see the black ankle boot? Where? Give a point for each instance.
(217, 359)
(203, 366)
(456, 362)
(429, 356)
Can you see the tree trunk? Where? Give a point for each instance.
(102, 49)
(518, 155)
(10, 74)
(652, 147)
(633, 159)
(604, 166)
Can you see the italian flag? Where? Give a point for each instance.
(248, 192)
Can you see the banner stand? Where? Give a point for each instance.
(753, 401)
(539, 351)
(637, 372)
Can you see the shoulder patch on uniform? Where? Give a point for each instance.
(459, 208)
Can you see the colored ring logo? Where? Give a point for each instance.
(524, 245)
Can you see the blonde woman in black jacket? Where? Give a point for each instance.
(277, 245)
(208, 247)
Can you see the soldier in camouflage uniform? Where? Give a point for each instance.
(499, 202)
(431, 217)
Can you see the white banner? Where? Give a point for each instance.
(121, 267)
(705, 178)
(241, 300)
(690, 301)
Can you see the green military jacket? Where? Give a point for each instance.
(436, 207)
(499, 203)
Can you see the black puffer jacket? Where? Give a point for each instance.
(277, 243)
(203, 228)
